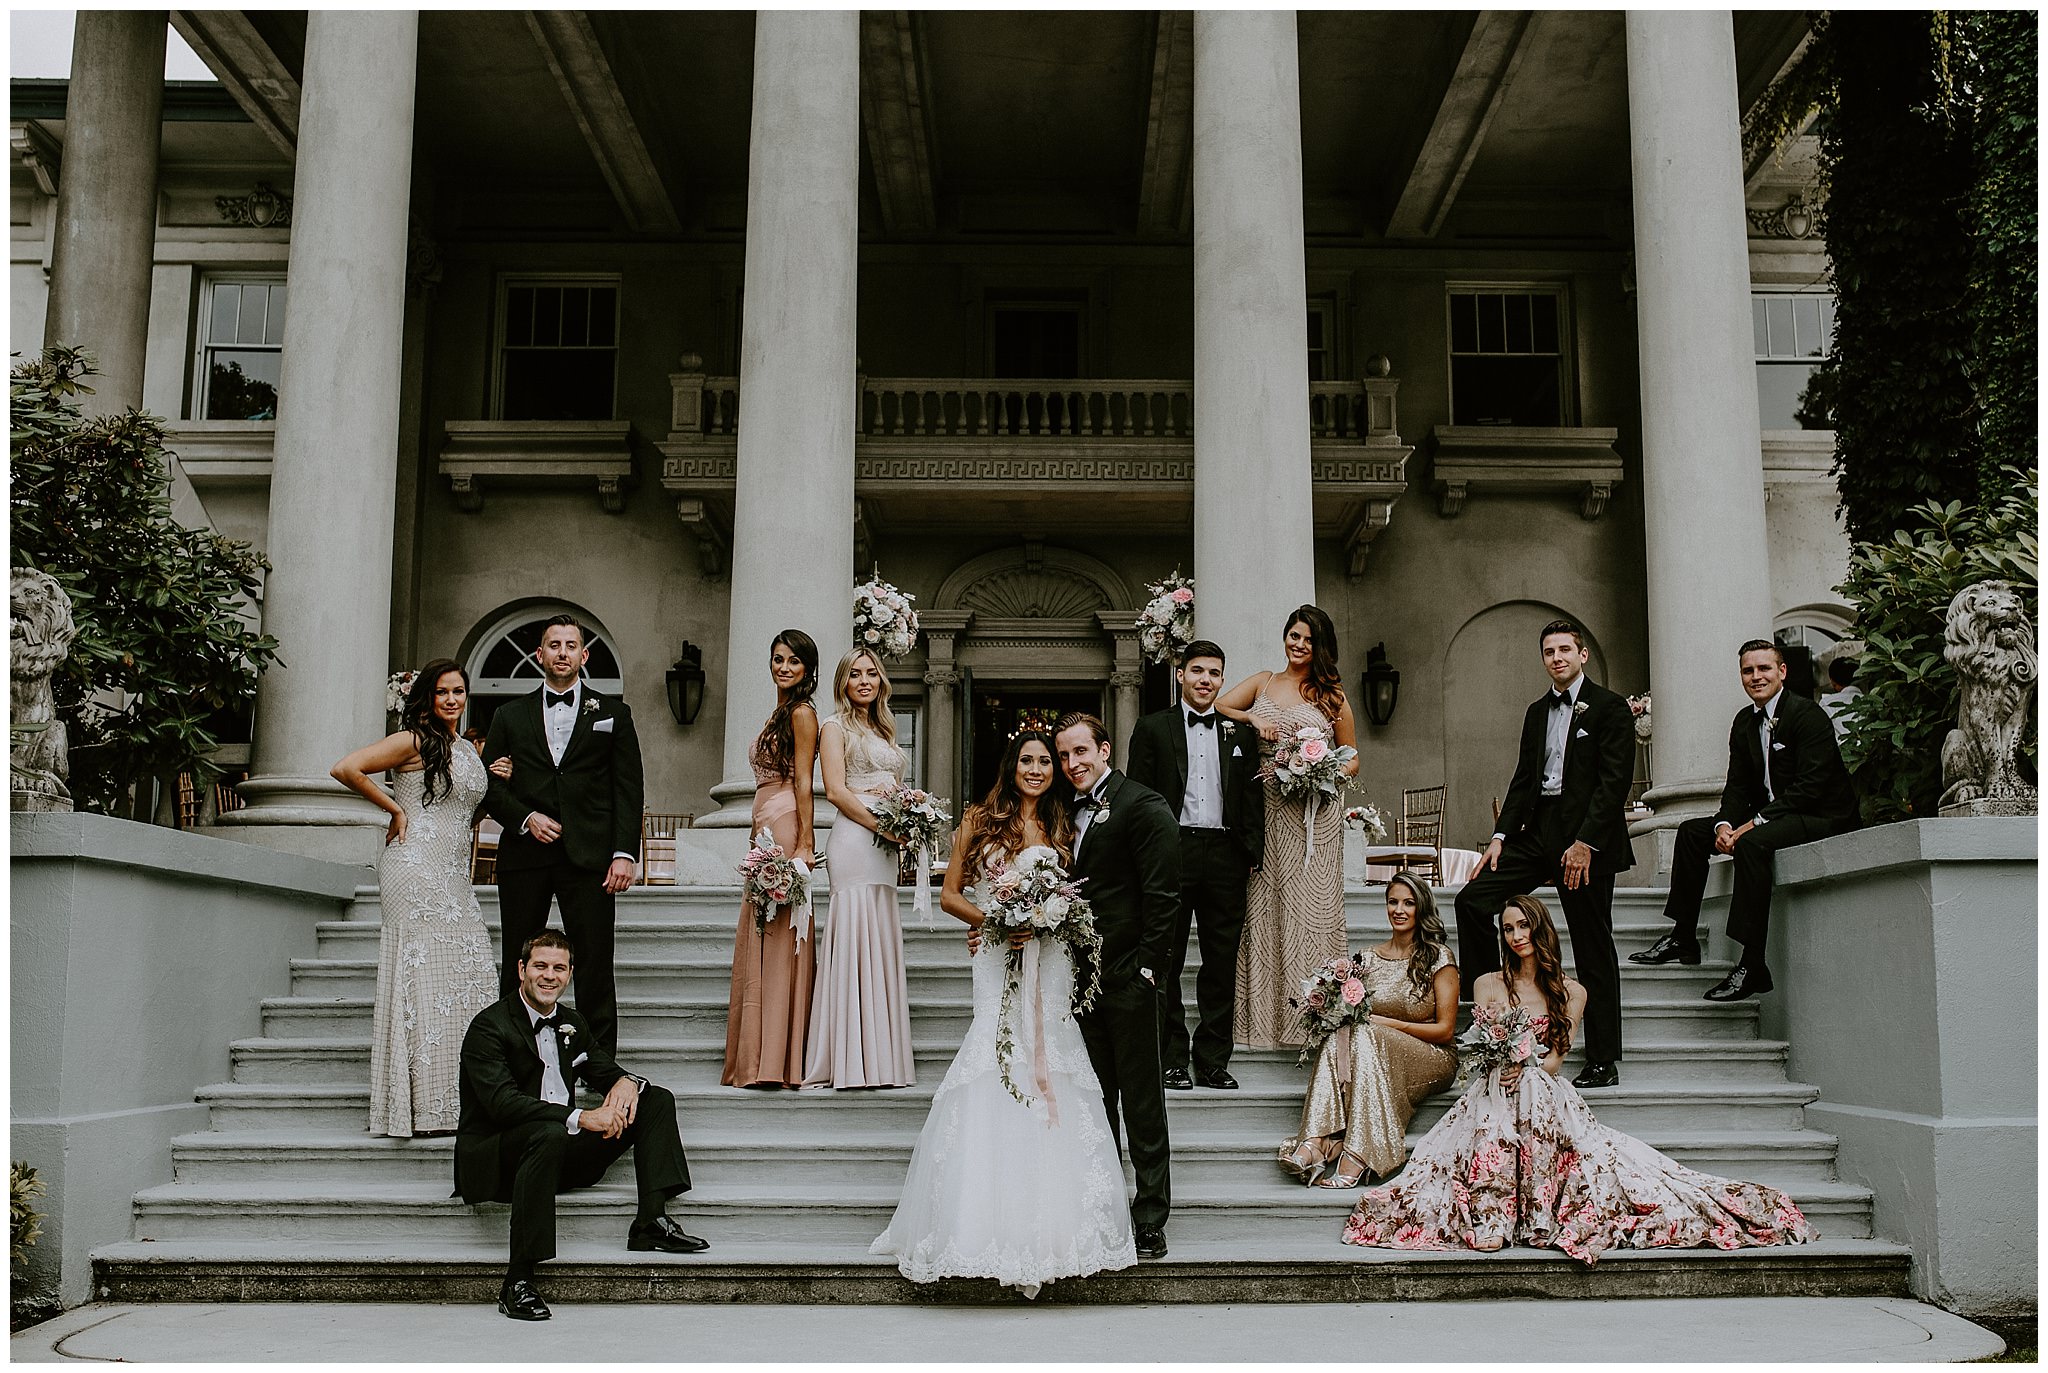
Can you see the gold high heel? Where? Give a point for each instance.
(1338, 1178)
(1292, 1162)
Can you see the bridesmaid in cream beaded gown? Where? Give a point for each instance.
(1370, 1077)
(1294, 903)
(860, 1004)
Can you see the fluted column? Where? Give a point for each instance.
(1708, 582)
(328, 599)
(942, 631)
(1254, 558)
(105, 230)
(792, 545)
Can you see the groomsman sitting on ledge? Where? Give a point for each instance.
(1786, 786)
(522, 1140)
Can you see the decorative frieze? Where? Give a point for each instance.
(266, 207)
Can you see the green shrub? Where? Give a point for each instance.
(24, 1186)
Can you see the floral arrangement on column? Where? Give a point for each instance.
(396, 688)
(883, 618)
(1167, 624)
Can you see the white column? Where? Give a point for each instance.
(1708, 578)
(331, 491)
(792, 544)
(1254, 556)
(105, 228)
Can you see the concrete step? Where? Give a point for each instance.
(1251, 1212)
(1315, 1268)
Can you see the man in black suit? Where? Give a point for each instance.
(1786, 786)
(521, 1139)
(571, 816)
(1127, 851)
(1207, 768)
(1563, 825)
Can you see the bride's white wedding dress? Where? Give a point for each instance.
(1020, 1193)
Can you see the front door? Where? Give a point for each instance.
(1002, 710)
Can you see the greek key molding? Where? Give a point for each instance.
(707, 469)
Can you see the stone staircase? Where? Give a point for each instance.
(288, 1196)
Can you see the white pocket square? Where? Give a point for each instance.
(1237, 753)
(1777, 746)
(1580, 735)
(600, 727)
(579, 1060)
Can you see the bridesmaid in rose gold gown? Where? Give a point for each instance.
(772, 970)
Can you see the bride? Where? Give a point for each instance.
(997, 1188)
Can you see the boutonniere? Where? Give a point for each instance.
(1771, 723)
(590, 705)
(563, 1035)
(1578, 708)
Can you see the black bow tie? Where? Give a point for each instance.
(1091, 802)
(1759, 714)
(546, 1022)
(559, 698)
(1208, 721)
(1560, 698)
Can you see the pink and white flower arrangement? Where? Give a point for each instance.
(1368, 819)
(1308, 766)
(1033, 893)
(1500, 1037)
(1167, 623)
(919, 821)
(1333, 998)
(773, 879)
(883, 618)
(395, 689)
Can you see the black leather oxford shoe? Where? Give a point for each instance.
(665, 1235)
(1597, 1075)
(518, 1300)
(1741, 984)
(1151, 1241)
(1177, 1080)
(1218, 1079)
(1670, 949)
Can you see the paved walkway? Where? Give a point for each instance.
(1786, 1329)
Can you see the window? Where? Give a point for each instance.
(1034, 339)
(502, 666)
(1507, 356)
(1322, 338)
(907, 739)
(558, 348)
(241, 348)
(1794, 332)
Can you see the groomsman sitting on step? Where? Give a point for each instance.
(1563, 824)
(1786, 786)
(1207, 768)
(521, 1138)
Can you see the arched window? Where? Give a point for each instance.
(501, 665)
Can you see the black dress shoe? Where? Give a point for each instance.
(1217, 1078)
(1597, 1075)
(518, 1300)
(1177, 1080)
(1670, 949)
(1151, 1241)
(1741, 984)
(665, 1235)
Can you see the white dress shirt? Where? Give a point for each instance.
(1202, 807)
(559, 719)
(1557, 732)
(1086, 815)
(1767, 713)
(553, 1089)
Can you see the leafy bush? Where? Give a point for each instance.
(163, 661)
(2000, 51)
(1902, 590)
(24, 1186)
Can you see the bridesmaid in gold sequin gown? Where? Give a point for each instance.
(1294, 903)
(1370, 1077)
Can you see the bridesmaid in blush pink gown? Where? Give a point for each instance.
(860, 1008)
(772, 970)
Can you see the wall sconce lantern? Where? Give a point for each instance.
(686, 685)
(1382, 686)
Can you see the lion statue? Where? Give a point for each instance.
(1991, 646)
(40, 637)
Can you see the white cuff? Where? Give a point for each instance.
(1499, 835)
(627, 856)
(1720, 825)
(576, 1122)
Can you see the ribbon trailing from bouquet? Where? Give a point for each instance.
(1041, 1076)
(1308, 827)
(800, 911)
(923, 900)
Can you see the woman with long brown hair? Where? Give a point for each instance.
(772, 968)
(1520, 1159)
(1294, 902)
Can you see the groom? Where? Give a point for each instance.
(1127, 851)
(571, 815)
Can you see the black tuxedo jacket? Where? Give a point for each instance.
(1599, 765)
(1130, 860)
(595, 794)
(1805, 767)
(1159, 760)
(501, 1075)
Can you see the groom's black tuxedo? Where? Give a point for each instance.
(510, 1145)
(1129, 859)
(1215, 862)
(595, 795)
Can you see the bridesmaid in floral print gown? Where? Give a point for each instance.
(1520, 1158)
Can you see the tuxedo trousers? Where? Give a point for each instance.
(1749, 911)
(542, 1159)
(1212, 882)
(588, 913)
(1529, 860)
(1122, 1034)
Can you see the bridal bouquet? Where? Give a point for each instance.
(1333, 998)
(396, 689)
(1033, 892)
(1498, 1038)
(1167, 623)
(919, 820)
(1308, 766)
(772, 879)
(883, 619)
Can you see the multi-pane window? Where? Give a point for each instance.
(1507, 356)
(558, 348)
(1322, 338)
(1794, 333)
(241, 348)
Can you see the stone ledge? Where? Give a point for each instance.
(177, 855)
(1904, 843)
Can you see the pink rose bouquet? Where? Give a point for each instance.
(1333, 998)
(1167, 623)
(773, 879)
(1500, 1037)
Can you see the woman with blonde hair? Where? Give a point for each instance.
(860, 1003)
